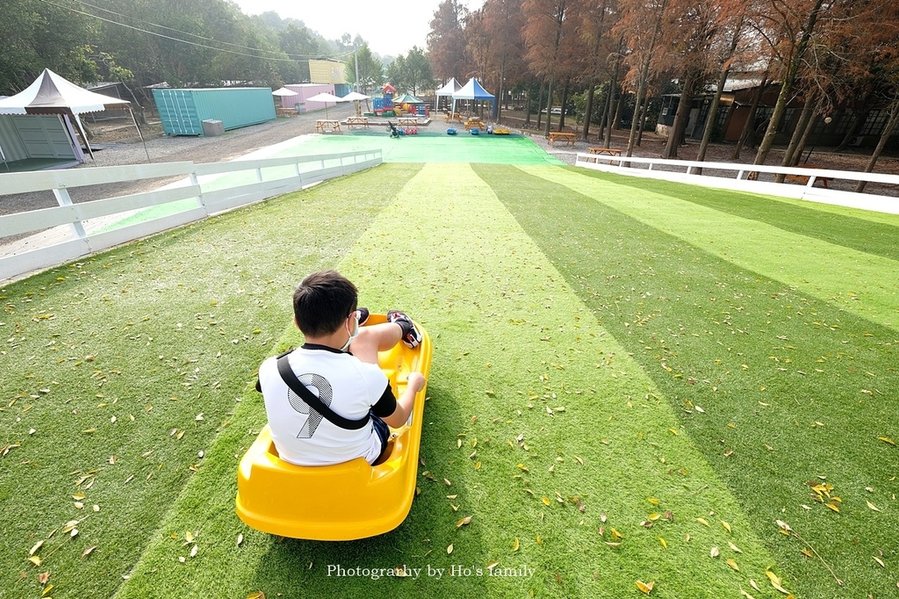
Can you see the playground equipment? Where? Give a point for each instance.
(353, 500)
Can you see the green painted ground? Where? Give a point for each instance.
(631, 382)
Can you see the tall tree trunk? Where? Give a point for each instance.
(644, 108)
(884, 137)
(588, 112)
(712, 117)
(614, 101)
(793, 151)
(748, 126)
(527, 107)
(644, 74)
(859, 117)
(680, 117)
(787, 85)
(564, 101)
(549, 112)
(501, 96)
(540, 106)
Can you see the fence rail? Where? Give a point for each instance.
(687, 171)
(70, 231)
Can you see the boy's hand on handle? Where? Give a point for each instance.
(416, 381)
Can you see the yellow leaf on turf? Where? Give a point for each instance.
(463, 521)
(872, 506)
(663, 542)
(887, 440)
(449, 549)
(516, 544)
(703, 521)
(776, 582)
(36, 547)
(256, 595)
(645, 587)
(34, 559)
(733, 565)
(726, 526)
(546, 500)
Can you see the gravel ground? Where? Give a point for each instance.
(118, 145)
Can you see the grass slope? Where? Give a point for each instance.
(539, 426)
(868, 232)
(860, 283)
(105, 358)
(792, 388)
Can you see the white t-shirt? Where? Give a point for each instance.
(347, 385)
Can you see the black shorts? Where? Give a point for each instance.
(383, 432)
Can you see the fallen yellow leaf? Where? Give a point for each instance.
(733, 565)
(645, 587)
(516, 544)
(703, 521)
(449, 549)
(463, 521)
(726, 526)
(776, 582)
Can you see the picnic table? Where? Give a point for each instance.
(407, 121)
(473, 123)
(555, 136)
(455, 116)
(357, 121)
(327, 126)
(606, 151)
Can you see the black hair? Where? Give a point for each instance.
(322, 302)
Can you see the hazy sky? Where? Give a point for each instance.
(390, 28)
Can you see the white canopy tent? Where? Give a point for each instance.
(472, 91)
(53, 94)
(451, 87)
(325, 98)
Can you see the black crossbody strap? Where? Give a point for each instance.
(314, 402)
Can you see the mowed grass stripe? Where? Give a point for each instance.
(538, 423)
(850, 228)
(860, 283)
(791, 388)
(103, 359)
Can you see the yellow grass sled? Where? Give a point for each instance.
(346, 501)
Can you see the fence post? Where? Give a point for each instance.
(63, 199)
(194, 180)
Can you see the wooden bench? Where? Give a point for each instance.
(357, 121)
(454, 117)
(606, 151)
(803, 179)
(327, 126)
(555, 136)
(407, 121)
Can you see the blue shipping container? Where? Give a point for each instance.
(182, 111)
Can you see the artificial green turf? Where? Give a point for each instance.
(432, 146)
(859, 283)
(538, 423)
(579, 302)
(108, 356)
(792, 388)
(852, 228)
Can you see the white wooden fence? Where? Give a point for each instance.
(716, 174)
(67, 232)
